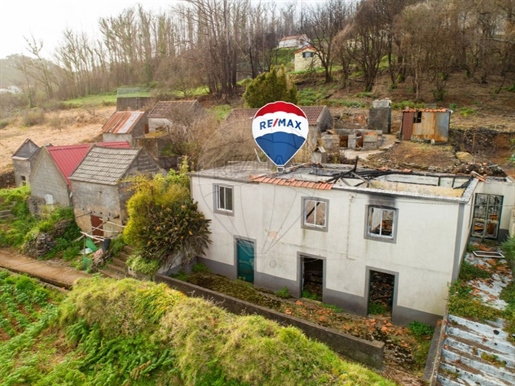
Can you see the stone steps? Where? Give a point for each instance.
(116, 267)
(7, 213)
(476, 353)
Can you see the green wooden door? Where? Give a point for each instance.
(245, 257)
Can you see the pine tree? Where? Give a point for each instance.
(271, 86)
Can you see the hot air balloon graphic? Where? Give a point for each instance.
(280, 129)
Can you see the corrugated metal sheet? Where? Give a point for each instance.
(67, 158)
(426, 124)
(122, 122)
(407, 125)
(293, 182)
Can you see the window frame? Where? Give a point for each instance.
(381, 237)
(218, 188)
(486, 214)
(314, 226)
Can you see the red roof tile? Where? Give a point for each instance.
(293, 182)
(68, 157)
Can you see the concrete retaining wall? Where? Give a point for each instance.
(360, 350)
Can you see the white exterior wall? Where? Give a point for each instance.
(155, 123)
(423, 255)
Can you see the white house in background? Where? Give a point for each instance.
(345, 234)
(306, 59)
(294, 41)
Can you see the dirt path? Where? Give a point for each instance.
(55, 272)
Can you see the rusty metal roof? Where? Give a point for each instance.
(293, 182)
(313, 114)
(441, 110)
(68, 157)
(122, 122)
(166, 109)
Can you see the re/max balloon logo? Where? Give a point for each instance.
(280, 130)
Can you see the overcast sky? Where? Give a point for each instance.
(47, 19)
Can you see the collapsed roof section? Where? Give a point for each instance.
(348, 177)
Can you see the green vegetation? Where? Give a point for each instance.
(470, 271)
(420, 329)
(105, 99)
(142, 265)
(164, 223)
(128, 332)
(462, 302)
(423, 334)
(23, 302)
(283, 293)
(271, 86)
(221, 111)
(23, 229)
(308, 295)
(508, 295)
(377, 308)
(508, 247)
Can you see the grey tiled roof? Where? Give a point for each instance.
(105, 165)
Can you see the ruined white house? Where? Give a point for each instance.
(349, 232)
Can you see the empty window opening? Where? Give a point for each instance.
(312, 278)
(417, 117)
(308, 54)
(23, 180)
(315, 213)
(487, 213)
(380, 293)
(381, 222)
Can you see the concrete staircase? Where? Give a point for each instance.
(476, 354)
(116, 267)
(7, 213)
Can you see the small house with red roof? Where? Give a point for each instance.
(49, 177)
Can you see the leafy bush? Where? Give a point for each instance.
(142, 265)
(508, 247)
(200, 268)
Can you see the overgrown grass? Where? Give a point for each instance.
(462, 302)
(106, 99)
(508, 295)
(221, 111)
(140, 333)
(22, 231)
(470, 272)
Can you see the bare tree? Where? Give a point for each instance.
(322, 24)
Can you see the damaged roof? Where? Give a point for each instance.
(347, 177)
(167, 109)
(122, 122)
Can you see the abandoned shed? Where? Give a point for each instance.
(125, 126)
(341, 233)
(23, 160)
(49, 178)
(426, 125)
(173, 115)
(100, 187)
